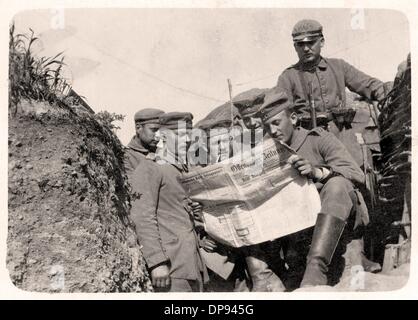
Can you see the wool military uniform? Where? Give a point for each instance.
(323, 149)
(166, 201)
(161, 214)
(164, 224)
(336, 185)
(135, 152)
(329, 78)
(325, 83)
(263, 260)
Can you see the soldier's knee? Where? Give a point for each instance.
(338, 187)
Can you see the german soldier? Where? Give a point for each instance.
(164, 222)
(324, 159)
(262, 260)
(144, 143)
(317, 87)
(319, 83)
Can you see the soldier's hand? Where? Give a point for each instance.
(160, 276)
(197, 210)
(208, 244)
(304, 167)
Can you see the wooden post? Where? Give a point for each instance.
(230, 101)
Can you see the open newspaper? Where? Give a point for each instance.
(251, 199)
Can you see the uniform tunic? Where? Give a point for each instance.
(162, 217)
(329, 80)
(323, 149)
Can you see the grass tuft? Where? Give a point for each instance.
(32, 77)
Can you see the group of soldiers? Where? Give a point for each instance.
(307, 110)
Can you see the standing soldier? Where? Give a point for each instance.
(143, 145)
(318, 84)
(187, 266)
(163, 221)
(317, 87)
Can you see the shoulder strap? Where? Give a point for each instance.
(318, 130)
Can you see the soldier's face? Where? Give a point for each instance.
(280, 127)
(309, 51)
(182, 142)
(149, 135)
(252, 123)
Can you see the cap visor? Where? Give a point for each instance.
(305, 38)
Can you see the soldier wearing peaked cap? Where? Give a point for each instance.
(256, 259)
(226, 265)
(175, 138)
(306, 30)
(144, 143)
(324, 159)
(221, 132)
(261, 265)
(328, 77)
(164, 218)
(248, 103)
(321, 83)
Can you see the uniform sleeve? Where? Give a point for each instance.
(284, 83)
(337, 157)
(361, 83)
(146, 182)
(129, 161)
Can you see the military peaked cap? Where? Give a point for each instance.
(148, 115)
(249, 102)
(274, 103)
(306, 30)
(171, 120)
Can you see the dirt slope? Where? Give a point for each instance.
(69, 227)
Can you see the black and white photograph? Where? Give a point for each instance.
(207, 148)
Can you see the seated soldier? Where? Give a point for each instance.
(324, 159)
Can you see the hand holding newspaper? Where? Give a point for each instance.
(252, 198)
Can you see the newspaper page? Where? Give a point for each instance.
(249, 199)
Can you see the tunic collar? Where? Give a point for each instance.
(135, 144)
(322, 64)
(172, 159)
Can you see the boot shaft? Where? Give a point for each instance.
(327, 233)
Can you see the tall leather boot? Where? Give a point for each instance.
(262, 277)
(327, 232)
